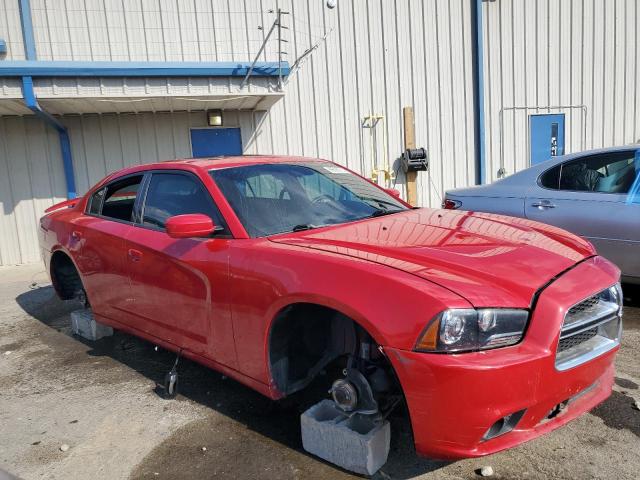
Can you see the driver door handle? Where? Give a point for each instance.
(543, 204)
(134, 255)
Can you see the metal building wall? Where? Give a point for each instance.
(31, 173)
(378, 57)
(577, 57)
(10, 30)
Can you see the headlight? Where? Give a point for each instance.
(463, 330)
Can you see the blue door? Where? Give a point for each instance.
(213, 142)
(546, 134)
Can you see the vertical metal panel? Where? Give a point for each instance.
(376, 54)
(580, 57)
(10, 30)
(379, 57)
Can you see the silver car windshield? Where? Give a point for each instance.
(285, 197)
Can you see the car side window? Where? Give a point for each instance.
(118, 199)
(95, 207)
(605, 173)
(171, 194)
(551, 178)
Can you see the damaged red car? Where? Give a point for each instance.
(493, 330)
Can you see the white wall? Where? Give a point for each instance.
(31, 171)
(582, 54)
(10, 30)
(379, 57)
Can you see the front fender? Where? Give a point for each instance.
(391, 305)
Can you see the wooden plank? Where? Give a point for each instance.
(410, 142)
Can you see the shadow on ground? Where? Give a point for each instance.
(247, 441)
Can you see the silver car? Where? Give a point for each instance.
(594, 194)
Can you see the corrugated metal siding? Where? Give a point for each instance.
(581, 57)
(10, 30)
(379, 57)
(31, 173)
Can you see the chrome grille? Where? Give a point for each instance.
(585, 305)
(591, 328)
(575, 340)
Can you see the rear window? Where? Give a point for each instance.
(116, 200)
(551, 178)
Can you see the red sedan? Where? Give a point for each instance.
(493, 330)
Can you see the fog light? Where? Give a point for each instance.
(503, 425)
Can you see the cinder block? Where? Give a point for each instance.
(359, 444)
(83, 324)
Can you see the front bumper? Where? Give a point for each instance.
(453, 400)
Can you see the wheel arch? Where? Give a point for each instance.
(64, 273)
(346, 325)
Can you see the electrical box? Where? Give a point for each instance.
(415, 160)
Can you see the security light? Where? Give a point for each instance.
(214, 118)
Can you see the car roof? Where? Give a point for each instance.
(206, 164)
(524, 176)
(214, 163)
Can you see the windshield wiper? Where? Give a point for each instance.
(381, 212)
(303, 226)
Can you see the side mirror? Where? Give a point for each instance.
(191, 225)
(393, 192)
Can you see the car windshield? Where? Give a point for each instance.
(287, 197)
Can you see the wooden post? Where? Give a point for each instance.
(410, 142)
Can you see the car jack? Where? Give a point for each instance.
(170, 386)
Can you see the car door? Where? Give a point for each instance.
(589, 196)
(180, 286)
(101, 233)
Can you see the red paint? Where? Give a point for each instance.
(215, 299)
(66, 204)
(190, 226)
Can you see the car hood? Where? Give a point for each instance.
(491, 260)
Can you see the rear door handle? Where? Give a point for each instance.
(543, 204)
(134, 255)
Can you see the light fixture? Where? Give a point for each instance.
(214, 118)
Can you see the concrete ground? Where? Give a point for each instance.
(98, 399)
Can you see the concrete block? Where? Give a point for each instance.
(83, 324)
(358, 444)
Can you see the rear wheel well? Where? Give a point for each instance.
(65, 277)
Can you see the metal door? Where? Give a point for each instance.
(546, 134)
(213, 142)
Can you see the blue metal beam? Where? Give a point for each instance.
(32, 104)
(27, 30)
(138, 69)
(477, 58)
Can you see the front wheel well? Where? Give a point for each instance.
(305, 338)
(65, 277)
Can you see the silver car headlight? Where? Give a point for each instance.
(464, 330)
